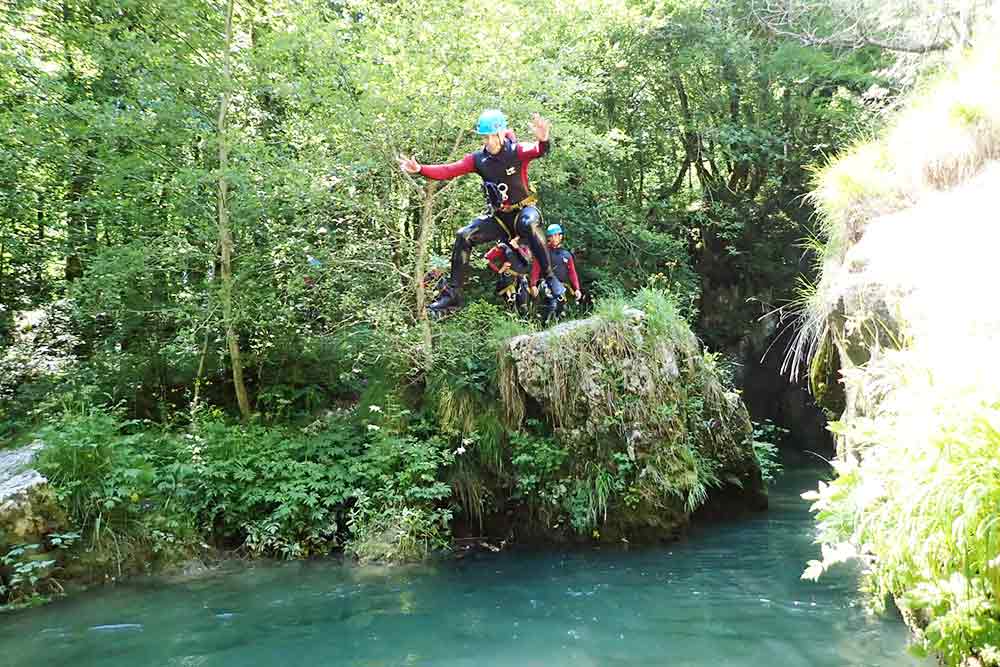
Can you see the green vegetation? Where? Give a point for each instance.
(917, 482)
(764, 441)
(210, 263)
(917, 503)
(142, 495)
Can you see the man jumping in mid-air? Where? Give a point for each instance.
(510, 202)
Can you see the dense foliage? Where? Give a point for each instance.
(199, 200)
(681, 147)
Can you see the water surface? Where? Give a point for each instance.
(730, 594)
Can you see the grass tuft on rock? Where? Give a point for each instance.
(638, 406)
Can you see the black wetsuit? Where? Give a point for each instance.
(510, 202)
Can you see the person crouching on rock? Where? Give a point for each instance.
(512, 262)
(511, 208)
(565, 270)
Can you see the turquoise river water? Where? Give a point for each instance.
(729, 594)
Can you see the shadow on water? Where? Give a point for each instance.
(729, 594)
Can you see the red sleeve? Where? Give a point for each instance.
(530, 150)
(536, 273)
(442, 172)
(495, 253)
(573, 278)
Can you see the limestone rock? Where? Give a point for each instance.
(630, 386)
(28, 509)
(923, 273)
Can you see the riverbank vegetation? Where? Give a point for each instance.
(211, 270)
(905, 309)
(385, 479)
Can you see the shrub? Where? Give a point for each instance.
(122, 487)
(277, 491)
(764, 440)
(401, 510)
(919, 507)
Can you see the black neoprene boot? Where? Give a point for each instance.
(450, 299)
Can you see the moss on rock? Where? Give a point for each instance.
(648, 428)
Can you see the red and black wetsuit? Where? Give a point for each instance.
(564, 269)
(504, 253)
(513, 284)
(562, 265)
(510, 201)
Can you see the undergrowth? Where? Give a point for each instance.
(917, 500)
(139, 496)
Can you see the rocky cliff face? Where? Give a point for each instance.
(905, 323)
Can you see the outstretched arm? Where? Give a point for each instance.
(438, 172)
(528, 150)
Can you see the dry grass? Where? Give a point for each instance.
(947, 133)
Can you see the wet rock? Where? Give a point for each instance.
(28, 508)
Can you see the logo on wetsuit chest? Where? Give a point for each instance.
(511, 170)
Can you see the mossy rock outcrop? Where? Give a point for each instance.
(911, 279)
(29, 513)
(28, 508)
(649, 432)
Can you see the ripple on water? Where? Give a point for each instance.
(117, 627)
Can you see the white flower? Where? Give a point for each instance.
(460, 451)
(374, 408)
(373, 427)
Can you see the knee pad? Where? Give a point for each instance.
(529, 220)
(463, 236)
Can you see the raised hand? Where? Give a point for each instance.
(408, 164)
(540, 127)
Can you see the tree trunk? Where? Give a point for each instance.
(420, 270)
(75, 223)
(40, 262)
(420, 265)
(225, 236)
(3, 267)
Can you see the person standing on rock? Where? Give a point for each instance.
(511, 208)
(564, 268)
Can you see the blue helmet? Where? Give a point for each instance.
(553, 229)
(491, 121)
